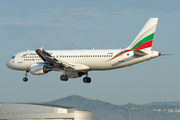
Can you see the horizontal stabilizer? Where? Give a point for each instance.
(139, 53)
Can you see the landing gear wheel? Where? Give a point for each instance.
(25, 79)
(89, 80)
(64, 77)
(86, 79)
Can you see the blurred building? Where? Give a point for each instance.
(16, 111)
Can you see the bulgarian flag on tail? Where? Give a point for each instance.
(145, 37)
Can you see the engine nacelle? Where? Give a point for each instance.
(74, 74)
(39, 69)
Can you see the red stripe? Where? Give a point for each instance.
(144, 45)
(120, 54)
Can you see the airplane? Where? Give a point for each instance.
(76, 63)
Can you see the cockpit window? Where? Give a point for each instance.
(12, 57)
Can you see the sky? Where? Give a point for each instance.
(82, 24)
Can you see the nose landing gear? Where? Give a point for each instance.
(25, 79)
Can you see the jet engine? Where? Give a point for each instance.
(74, 74)
(39, 69)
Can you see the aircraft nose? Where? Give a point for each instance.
(8, 64)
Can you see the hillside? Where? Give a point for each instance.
(162, 103)
(107, 111)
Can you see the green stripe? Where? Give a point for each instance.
(25, 54)
(144, 40)
(119, 53)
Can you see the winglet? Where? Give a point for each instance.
(41, 48)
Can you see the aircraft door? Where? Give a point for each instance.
(20, 58)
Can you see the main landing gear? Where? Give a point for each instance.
(25, 79)
(86, 79)
(64, 77)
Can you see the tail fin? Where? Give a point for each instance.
(144, 39)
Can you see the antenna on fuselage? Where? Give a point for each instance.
(28, 50)
(93, 48)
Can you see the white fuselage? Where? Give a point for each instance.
(75, 63)
(94, 59)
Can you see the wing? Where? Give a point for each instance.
(47, 58)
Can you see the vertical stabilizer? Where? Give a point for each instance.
(144, 39)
